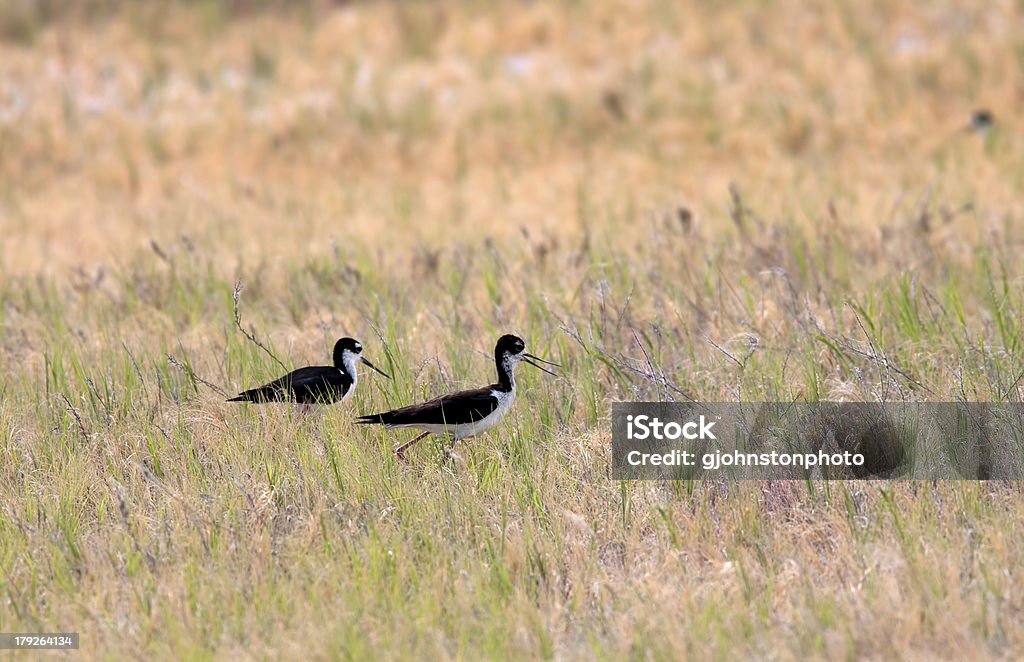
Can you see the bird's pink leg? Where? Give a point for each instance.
(400, 451)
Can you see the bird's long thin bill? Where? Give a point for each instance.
(527, 358)
(367, 362)
(537, 358)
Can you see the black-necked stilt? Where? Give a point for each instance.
(464, 413)
(981, 121)
(315, 384)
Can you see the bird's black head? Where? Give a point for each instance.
(510, 350)
(509, 344)
(348, 352)
(346, 345)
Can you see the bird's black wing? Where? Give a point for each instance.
(314, 384)
(452, 409)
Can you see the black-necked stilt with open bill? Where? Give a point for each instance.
(320, 384)
(464, 413)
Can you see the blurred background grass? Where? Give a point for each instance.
(718, 201)
(294, 126)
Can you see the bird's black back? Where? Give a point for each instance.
(451, 409)
(311, 385)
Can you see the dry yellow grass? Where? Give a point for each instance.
(381, 116)
(767, 198)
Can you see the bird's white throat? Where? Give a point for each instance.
(508, 366)
(349, 360)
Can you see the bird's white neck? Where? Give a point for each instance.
(507, 373)
(349, 361)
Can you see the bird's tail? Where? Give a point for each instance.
(373, 419)
(262, 394)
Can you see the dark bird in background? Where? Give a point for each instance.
(315, 384)
(982, 121)
(464, 413)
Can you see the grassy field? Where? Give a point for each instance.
(718, 201)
